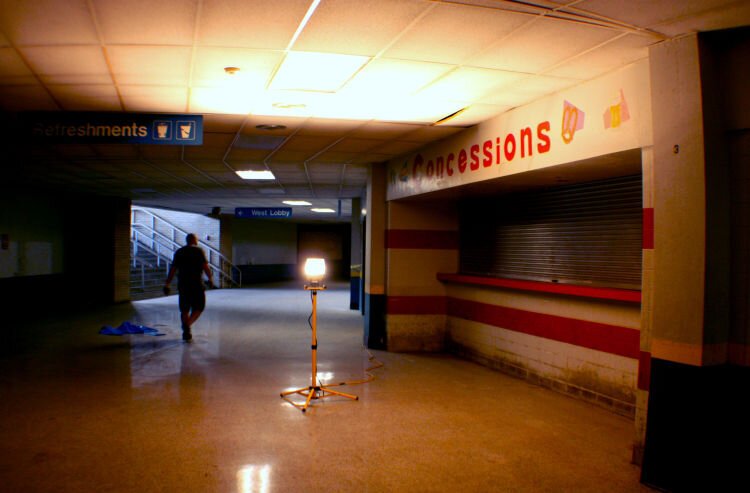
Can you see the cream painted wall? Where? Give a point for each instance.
(425, 215)
(679, 201)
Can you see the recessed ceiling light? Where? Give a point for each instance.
(250, 174)
(296, 202)
(319, 72)
(270, 126)
(324, 210)
(288, 106)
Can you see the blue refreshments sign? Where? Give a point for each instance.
(114, 128)
(244, 212)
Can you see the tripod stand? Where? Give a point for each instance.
(315, 390)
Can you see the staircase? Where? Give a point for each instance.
(147, 274)
(153, 241)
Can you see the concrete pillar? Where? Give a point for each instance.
(375, 329)
(356, 254)
(693, 401)
(121, 250)
(644, 360)
(421, 242)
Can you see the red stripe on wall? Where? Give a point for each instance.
(421, 239)
(644, 370)
(416, 305)
(611, 339)
(648, 228)
(628, 295)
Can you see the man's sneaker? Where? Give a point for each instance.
(186, 335)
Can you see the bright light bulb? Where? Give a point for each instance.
(315, 269)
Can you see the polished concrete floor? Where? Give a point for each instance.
(83, 412)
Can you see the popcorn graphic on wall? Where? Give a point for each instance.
(617, 113)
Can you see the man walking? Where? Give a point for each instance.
(189, 263)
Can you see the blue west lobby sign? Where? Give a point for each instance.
(114, 128)
(263, 212)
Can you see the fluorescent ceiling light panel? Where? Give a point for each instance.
(319, 72)
(233, 101)
(468, 84)
(310, 11)
(296, 202)
(255, 175)
(324, 210)
(394, 77)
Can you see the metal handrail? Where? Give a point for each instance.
(217, 261)
(156, 253)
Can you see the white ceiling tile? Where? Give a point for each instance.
(541, 45)
(307, 143)
(469, 84)
(647, 13)
(26, 98)
(13, 70)
(327, 127)
(526, 90)
(370, 158)
(291, 156)
(61, 64)
(154, 98)
(398, 147)
(356, 145)
(451, 33)
(256, 67)
(336, 157)
(222, 123)
(77, 80)
(159, 65)
(474, 114)
(166, 22)
(357, 28)
(608, 57)
(382, 130)
(47, 22)
(734, 15)
(394, 77)
(430, 133)
(239, 23)
(86, 97)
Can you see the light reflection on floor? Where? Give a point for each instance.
(84, 412)
(254, 479)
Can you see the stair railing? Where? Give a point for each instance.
(164, 245)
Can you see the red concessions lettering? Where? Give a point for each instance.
(484, 155)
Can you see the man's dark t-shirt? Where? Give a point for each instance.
(189, 261)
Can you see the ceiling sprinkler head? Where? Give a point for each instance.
(231, 70)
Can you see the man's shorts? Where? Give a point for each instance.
(192, 300)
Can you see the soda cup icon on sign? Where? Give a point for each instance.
(161, 130)
(185, 131)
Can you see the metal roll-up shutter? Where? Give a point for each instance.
(586, 233)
